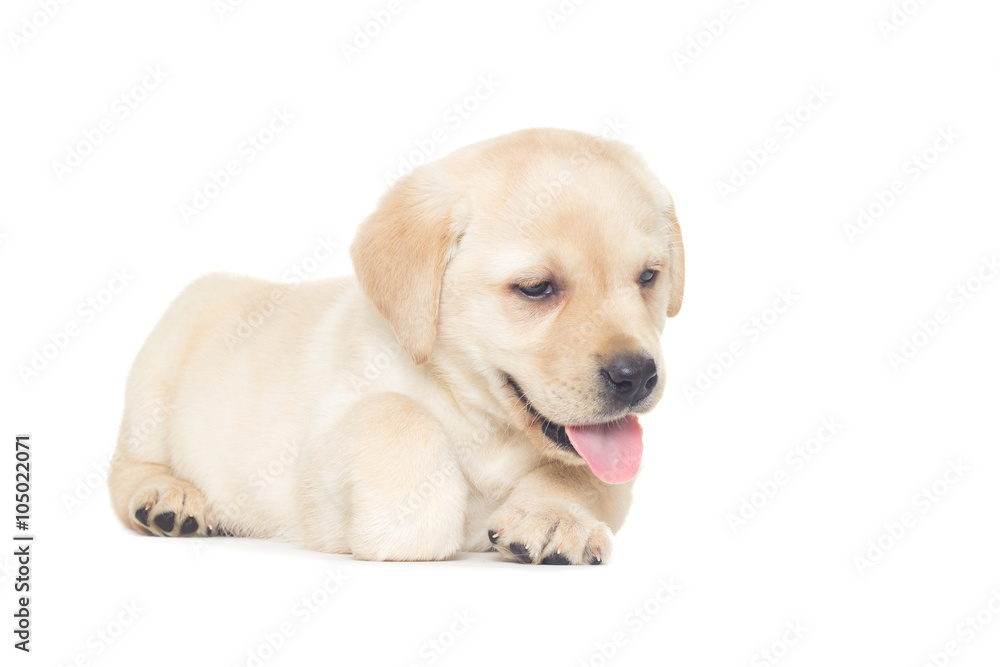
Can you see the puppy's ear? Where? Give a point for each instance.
(676, 270)
(663, 202)
(400, 253)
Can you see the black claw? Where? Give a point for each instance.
(165, 521)
(494, 536)
(208, 531)
(189, 526)
(520, 551)
(594, 560)
(555, 559)
(142, 515)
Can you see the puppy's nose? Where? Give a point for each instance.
(631, 377)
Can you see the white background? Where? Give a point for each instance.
(889, 93)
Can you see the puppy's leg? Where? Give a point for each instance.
(560, 515)
(145, 494)
(386, 485)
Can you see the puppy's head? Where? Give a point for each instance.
(535, 271)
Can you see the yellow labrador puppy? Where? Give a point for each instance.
(474, 387)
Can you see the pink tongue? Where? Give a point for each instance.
(613, 450)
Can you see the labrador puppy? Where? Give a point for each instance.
(474, 387)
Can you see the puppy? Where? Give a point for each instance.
(474, 387)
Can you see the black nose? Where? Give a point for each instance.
(631, 377)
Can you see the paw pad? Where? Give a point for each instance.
(165, 521)
(189, 526)
(520, 552)
(555, 559)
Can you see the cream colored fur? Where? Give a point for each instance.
(373, 415)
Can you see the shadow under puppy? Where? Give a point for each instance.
(475, 386)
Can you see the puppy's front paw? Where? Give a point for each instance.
(550, 535)
(168, 507)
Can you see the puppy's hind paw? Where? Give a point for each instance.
(169, 507)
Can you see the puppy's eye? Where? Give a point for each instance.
(536, 291)
(647, 277)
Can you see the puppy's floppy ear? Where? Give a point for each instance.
(676, 270)
(400, 253)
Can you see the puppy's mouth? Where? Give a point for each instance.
(554, 432)
(612, 450)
